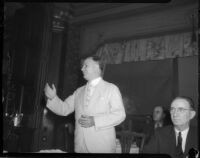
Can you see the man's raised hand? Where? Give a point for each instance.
(50, 92)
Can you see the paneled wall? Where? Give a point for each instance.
(188, 79)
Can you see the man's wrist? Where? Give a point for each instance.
(52, 98)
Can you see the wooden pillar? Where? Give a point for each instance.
(39, 103)
(51, 71)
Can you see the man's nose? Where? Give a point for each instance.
(175, 113)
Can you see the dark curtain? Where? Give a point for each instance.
(144, 84)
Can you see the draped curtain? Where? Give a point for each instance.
(154, 48)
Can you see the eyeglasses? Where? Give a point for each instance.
(179, 110)
(157, 112)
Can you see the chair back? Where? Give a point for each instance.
(128, 137)
(140, 139)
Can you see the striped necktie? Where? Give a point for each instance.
(88, 94)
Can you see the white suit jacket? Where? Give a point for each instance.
(108, 110)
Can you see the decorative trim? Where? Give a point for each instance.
(154, 48)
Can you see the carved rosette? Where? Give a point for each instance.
(61, 16)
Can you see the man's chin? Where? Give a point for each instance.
(177, 123)
(85, 78)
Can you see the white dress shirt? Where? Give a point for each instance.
(158, 124)
(90, 87)
(183, 135)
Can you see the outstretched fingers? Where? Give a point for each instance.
(53, 86)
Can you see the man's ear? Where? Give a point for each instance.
(97, 67)
(192, 114)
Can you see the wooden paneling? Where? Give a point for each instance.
(25, 47)
(27, 55)
(32, 57)
(188, 80)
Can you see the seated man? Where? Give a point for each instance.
(161, 118)
(158, 116)
(172, 139)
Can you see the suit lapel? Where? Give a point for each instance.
(173, 141)
(84, 94)
(96, 92)
(188, 141)
(82, 99)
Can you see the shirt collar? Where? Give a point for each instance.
(158, 124)
(182, 132)
(95, 81)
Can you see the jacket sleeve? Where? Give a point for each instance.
(62, 108)
(116, 114)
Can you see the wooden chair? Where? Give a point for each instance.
(140, 139)
(69, 137)
(128, 137)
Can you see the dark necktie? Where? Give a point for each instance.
(179, 151)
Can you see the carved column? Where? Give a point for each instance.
(52, 66)
(39, 103)
(70, 77)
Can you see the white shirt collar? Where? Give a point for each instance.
(182, 132)
(95, 81)
(158, 124)
(183, 135)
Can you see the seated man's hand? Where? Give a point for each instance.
(86, 121)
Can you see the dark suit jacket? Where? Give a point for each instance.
(149, 132)
(164, 141)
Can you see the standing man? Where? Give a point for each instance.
(178, 139)
(98, 109)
